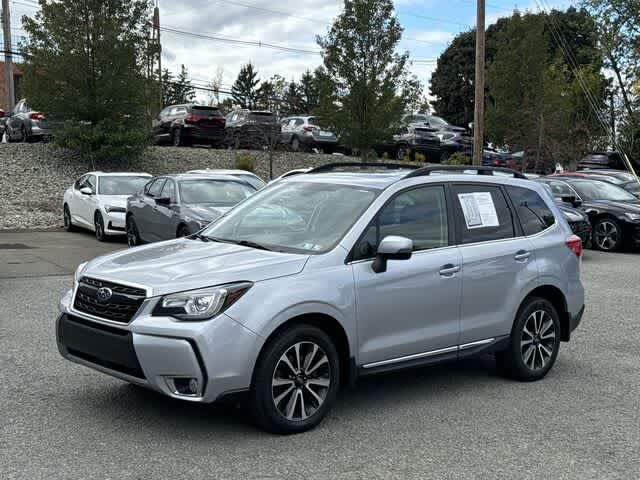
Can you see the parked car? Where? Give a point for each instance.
(252, 129)
(25, 124)
(173, 206)
(452, 138)
(577, 219)
(251, 178)
(614, 176)
(189, 124)
(613, 212)
(414, 139)
(591, 175)
(605, 160)
(97, 201)
(502, 158)
(263, 301)
(303, 133)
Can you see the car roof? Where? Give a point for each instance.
(384, 179)
(221, 171)
(119, 174)
(207, 176)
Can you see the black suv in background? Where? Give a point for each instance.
(189, 124)
(605, 160)
(252, 129)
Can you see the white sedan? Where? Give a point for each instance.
(97, 201)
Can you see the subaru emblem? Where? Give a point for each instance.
(104, 294)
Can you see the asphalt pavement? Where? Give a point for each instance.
(59, 420)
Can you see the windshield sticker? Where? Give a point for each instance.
(478, 209)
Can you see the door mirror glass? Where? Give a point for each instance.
(86, 191)
(163, 201)
(392, 248)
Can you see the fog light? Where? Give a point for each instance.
(186, 386)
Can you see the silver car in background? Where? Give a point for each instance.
(173, 206)
(249, 177)
(304, 133)
(328, 276)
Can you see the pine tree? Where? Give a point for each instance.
(244, 90)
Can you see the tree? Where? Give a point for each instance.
(244, 90)
(271, 93)
(176, 90)
(88, 74)
(216, 86)
(360, 58)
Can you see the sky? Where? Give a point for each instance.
(429, 26)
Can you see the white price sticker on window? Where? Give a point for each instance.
(478, 209)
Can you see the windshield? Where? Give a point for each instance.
(295, 216)
(596, 190)
(438, 122)
(221, 192)
(121, 185)
(252, 180)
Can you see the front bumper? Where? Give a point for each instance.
(159, 352)
(114, 223)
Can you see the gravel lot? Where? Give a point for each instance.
(60, 420)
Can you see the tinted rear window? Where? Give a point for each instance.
(263, 117)
(206, 110)
(535, 216)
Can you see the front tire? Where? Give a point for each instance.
(66, 215)
(295, 380)
(176, 137)
(133, 237)
(534, 342)
(98, 224)
(24, 138)
(607, 235)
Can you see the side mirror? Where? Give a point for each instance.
(86, 191)
(392, 248)
(163, 201)
(572, 200)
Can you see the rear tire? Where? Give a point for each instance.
(534, 342)
(176, 137)
(133, 237)
(295, 380)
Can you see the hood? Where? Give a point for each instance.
(453, 128)
(204, 211)
(114, 200)
(184, 264)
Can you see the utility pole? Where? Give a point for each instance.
(478, 114)
(156, 38)
(8, 57)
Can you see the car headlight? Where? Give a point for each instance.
(200, 304)
(633, 216)
(111, 209)
(78, 273)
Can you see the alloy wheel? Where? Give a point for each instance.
(538, 340)
(132, 233)
(295, 144)
(607, 235)
(67, 218)
(23, 135)
(301, 381)
(177, 137)
(99, 225)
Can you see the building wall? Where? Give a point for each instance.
(17, 77)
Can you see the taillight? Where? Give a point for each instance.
(575, 244)
(308, 128)
(35, 116)
(191, 118)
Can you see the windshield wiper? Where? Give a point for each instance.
(199, 236)
(249, 243)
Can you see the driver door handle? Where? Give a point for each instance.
(449, 270)
(522, 256)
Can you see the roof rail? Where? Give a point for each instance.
(335, 166)
(481, 170)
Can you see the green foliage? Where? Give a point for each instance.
(244, 90)
(177, 90)
(85, 67)
(457, 158)
(106, 141)
(243, 161)
(362, 91)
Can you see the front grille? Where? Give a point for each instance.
(121, 307)
(108, 347)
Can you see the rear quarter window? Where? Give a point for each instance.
(534, 214)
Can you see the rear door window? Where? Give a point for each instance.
(482, 213)
(534, 214)
(169, 191)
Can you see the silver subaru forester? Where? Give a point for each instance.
(316, 280)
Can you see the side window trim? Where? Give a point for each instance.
(451, 228)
